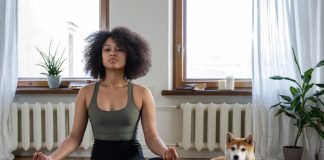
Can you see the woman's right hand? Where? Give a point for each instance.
(170, 154)
(41, 156)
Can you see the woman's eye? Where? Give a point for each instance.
(119, 50)
(107, 49)
(243, 149)
(232, 148)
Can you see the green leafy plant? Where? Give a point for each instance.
(52, 62)
(303, 105)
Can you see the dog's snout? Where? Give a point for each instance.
(236, 157)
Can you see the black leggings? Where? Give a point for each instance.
(117, 150)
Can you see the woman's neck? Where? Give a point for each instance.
(114, 79)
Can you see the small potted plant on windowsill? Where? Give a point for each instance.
(302, 105)
(52, 63)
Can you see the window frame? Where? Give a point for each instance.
(179, 55)
(104, 22)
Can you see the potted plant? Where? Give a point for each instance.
(302, 105)
(52, 63)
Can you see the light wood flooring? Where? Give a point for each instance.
(30, 158)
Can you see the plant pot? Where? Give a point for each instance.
(54, 81)
(292, 152)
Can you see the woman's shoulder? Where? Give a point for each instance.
(141, 89)
(87, 88)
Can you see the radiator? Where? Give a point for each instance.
(37, 126)
(205, 125)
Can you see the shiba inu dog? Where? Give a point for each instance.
(238, 148)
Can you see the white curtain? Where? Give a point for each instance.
(8, 73)
(307, 29)
(279, 25)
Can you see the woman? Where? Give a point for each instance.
(114, 104)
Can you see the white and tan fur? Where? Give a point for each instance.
(238, 148)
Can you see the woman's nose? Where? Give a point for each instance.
(113, 53)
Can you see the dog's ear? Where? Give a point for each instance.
(249, 139)
(229, 137)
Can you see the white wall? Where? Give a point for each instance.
(153, 20)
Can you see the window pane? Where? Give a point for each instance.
(67, 23)
(218, 38)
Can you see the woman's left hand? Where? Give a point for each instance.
(170, 154)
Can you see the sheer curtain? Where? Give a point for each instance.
(279, 25)
(8, 73)
(306, 29)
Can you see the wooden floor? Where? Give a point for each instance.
(30, 158)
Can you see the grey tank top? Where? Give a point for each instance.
(114, 125)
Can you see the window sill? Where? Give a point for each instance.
(40, 86)
(45, 90)
(208, 92)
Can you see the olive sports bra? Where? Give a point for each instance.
(114, 125)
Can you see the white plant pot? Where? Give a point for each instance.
(54, 81)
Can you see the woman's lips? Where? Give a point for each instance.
(112, 60)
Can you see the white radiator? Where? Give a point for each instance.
(205, 125)
(39, 126)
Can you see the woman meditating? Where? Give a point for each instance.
(114, 104)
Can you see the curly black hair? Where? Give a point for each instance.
(138, 61)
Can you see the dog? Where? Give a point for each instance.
(238, 148)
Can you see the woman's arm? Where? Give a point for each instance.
(74, 139)
(152, 138)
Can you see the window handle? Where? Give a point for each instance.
(179, 49)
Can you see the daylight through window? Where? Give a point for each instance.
(217, 38)
(66, 23)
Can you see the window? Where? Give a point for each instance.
(66, 23)
(212, 40)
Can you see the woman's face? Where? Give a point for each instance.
(113, 57)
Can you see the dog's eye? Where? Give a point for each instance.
(233, 148)
(243, 149)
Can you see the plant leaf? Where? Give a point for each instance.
(317, 113)
(42, 65)
(52, 62)
(279, 112)
(296, 101)
(284, 78)
(308, 75)
(293, 90)
(307, 119)
(275, 105)
(298, 108)
(285, 107)
(320, 85)
(313, 99)
(320, 100)
(289, 114)
(320, 63)
(307, 87)
(286, 98)
(49, 48)
(280, 78)
(318, 93)
(296, 62)
(307, 78)
(309, 72)
(317, 128)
